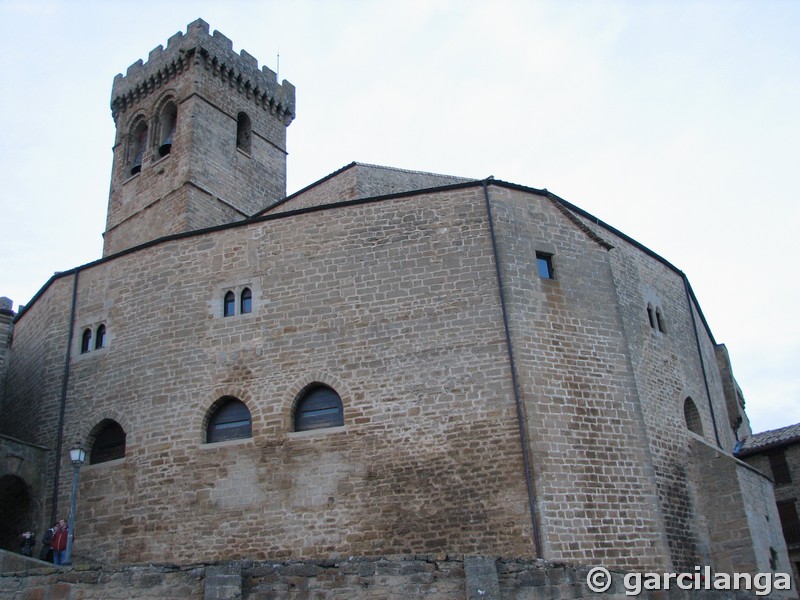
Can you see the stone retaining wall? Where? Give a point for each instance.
(433, 577)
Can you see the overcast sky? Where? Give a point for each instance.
(677, 122)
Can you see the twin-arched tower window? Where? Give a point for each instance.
(164, 124)
(99, 339)
(245, 303)
(656, 318)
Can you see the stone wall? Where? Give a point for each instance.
(739, 511)
(578, 390)
(396, 304)
(669, 367)
(392, 304)
(435, 577)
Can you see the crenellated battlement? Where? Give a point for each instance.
(214, 53)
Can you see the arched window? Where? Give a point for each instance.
(692, 417)
(319, 407)
(246, 304)
(100, 337)
(229, 420)
(167, 121)
(651, 316)
(137, 144)
(660, 321)
(109, 443)
(244, 132)
(229, 305)
(86, 341)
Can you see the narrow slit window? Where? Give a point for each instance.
(660, 321)
(544, 262)
(100, 337)
(229, 305)
(244, 133)
(246, 302)
(651, 316)
(86, 341)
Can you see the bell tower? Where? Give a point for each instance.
(200, 140)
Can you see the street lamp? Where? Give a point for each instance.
(77, 455)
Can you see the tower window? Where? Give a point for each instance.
(100, 337)
(166, 128)
(545, 264)
(109, 443)
(86, 341)
(137, 144)
(246, 301)
(244, 133)
(229, 305)
(318, 408)
(230, 420)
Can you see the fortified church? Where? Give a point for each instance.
(385, 362)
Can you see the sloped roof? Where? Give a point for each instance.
(364, 180)
(769, 439)
(403, 183)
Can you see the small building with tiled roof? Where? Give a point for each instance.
(777, 453)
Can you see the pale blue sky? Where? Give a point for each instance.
(673, 121)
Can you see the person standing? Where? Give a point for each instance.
(26, 543)
(46, 553)
(59, 542)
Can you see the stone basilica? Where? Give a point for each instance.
(386, 362)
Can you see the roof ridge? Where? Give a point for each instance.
(415, 172)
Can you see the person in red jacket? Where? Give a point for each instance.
(59, 542)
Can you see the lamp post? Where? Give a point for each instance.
(77, 455)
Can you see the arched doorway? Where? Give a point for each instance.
(15, 511)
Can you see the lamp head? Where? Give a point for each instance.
(77, 454)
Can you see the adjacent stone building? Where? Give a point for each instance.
(777, 453)
(385, 362)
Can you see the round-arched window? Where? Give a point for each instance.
(230, 420)
(318, 407)
(109, 443)
(692, 417)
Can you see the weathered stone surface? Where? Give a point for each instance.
(487, 411)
